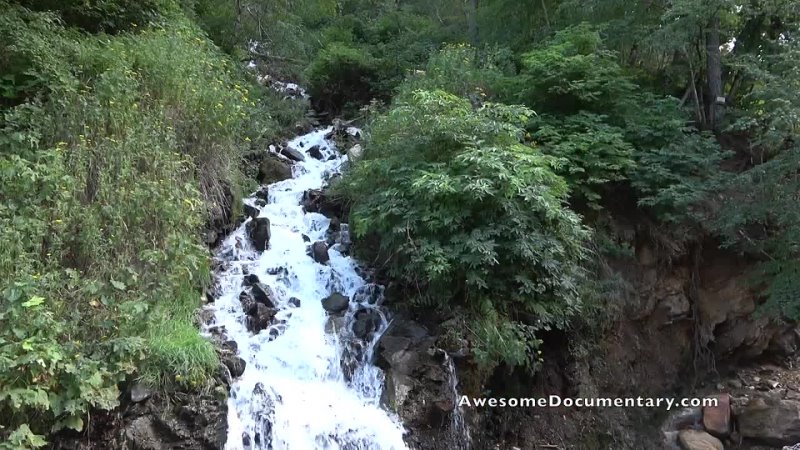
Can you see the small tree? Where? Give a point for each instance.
(471, 217)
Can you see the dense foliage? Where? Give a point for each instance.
(470, 216)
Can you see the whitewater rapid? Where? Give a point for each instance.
(303, 388)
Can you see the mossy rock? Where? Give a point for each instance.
(273, 169)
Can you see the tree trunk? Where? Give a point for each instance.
(716, 96)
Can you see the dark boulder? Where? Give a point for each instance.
(295, 302)
(319, 251)
(294, 155)
(367, 321)
(319, 201)
(262, 193)
(250, 280)
(259, 232)
(335, 303)
(273, 169)
(259, 317)
(235, 364)
(263, 294)
(250, 211)
(315, 152)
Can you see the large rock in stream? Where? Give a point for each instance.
(259, 232)
(335, 303)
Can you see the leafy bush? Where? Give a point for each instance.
(570, 73)
(470, 216)
(590, 151)
(340, 76)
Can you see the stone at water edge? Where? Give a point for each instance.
(698, 440)
(235, 364)
(272, 170)
(293, 154)
(319, 251)
(335, 303)
(250, 211)
(769, 419)
(717, 419)
(259, 232)
(262, 193)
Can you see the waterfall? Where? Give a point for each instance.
(459, 430)
(308, 383)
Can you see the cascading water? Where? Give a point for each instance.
(304, 387)
(459, 430)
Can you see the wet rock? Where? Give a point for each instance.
(698, 440)
(294, 155)
(717, 419)
(306, 238)
(259, 232)
(263, 294)
(140, 393)
(319, 201)
(235, 364)
(315, 152)
(295, 302)
(768, 419)
(250, 280)
(335, 303)
(260, 202)
(366, 321)
(230, 346)
(262, 193)
(250, 211)
(247, 300)
(319, 251)
(272, 170)
(259, 317)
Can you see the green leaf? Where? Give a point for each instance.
(34, 301)
(118, 284)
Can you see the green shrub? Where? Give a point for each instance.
(590, 152)
(341, 76)
(470, 216)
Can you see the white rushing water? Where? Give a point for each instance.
(303, 388)
(460, 436)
